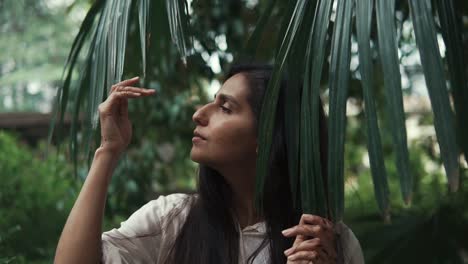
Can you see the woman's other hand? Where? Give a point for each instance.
(314, 243)
(116, 128)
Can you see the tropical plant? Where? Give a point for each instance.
(315, 41)
(310, 32)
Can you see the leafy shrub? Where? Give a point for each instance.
(36, 194)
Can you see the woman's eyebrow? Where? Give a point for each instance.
(228, 98)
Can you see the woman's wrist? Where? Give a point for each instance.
(107, 153)
(106, 161)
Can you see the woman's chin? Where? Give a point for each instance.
(199, 158)
(196, 157)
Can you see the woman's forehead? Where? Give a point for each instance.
(236, 86)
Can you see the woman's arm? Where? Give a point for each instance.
(80, 241)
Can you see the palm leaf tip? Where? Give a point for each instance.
(431, 61)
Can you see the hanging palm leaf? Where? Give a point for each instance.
(339, 82)
(143, 13)
(435, 82)
(392, 81)
(78, 43)
(271, 98)
(312, 185)
(450, 23)
(379, 174)
(302, 51)
(177, 12)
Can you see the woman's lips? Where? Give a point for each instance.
(196, 139)
(197, 134)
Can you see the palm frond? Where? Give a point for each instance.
(271, 98)
(177, 12)
(253, 42)
(450, 23)
(144, 8)
(379, 174)
(392, 81)
(295, 72)
(434, 74)
(312, 187)
(338, 85)
(62, 96)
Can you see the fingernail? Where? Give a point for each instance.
(136, 77)
(287, 231)
(288, 251)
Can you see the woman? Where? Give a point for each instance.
(219, 224)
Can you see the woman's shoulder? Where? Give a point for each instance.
(350, 246)
(142, 237)
(166, 206)
(151, 217)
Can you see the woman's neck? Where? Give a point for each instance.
(241, 179)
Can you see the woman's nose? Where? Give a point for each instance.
(199, 117)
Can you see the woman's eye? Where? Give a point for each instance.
(225, 109)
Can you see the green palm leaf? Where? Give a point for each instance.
(435, 81)
(177, 12)
(144, 8)
(379, 174)
(338, 83)
(295, 68)
(254, 39)
(78, 43)
(312, 187)
(271, 98)
(450, 23)
(392, 81)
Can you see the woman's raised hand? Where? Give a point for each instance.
(116, 128)
(314, 243)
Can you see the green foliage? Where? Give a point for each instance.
(429, 230)
(36, 196)
(36, 38)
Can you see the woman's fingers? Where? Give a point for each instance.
(143, 91)
(315, 220)
(116, 99)
(311, 244)
(304, 230)
(123, 110)
(128, 81)
(303, 255)
(313, 234)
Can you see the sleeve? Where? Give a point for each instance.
(138, 239)
(351, 252)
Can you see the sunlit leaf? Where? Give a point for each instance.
(177, 12)
(434, 74)
(143, 14)
(376, 159)
(393, 95)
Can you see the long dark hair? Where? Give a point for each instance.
(209, 234)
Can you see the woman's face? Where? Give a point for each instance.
(226, 126)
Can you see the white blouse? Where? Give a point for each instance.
(148, 234)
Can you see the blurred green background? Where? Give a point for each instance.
(39, 182)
